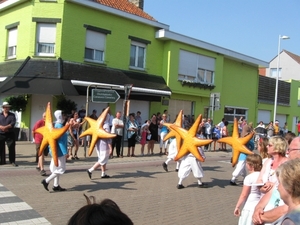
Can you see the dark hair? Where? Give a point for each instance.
(289, 137)
(226, 123)
(106, 212)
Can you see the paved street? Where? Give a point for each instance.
(139, 185)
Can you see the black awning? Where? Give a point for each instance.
(37, 85)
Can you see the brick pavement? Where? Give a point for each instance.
(139, 185)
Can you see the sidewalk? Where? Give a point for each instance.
(25, 156)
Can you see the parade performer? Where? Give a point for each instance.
(172, 152)
(104, 149)
(190, 163)
(62, 154)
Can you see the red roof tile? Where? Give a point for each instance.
(126, 6)
(293, 56)
(123, 5)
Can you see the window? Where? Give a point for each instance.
(46, 36)
(12, 43)
(233, 112)
(137, 55)
(196, 68)
(273, 72)
(94, 46)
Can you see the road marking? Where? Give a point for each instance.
(14, 211)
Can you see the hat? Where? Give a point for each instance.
(276, 121)
(5, 104)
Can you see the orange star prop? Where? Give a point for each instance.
(237, 143)
(173, 133)
(50, 135)
(96, 130)
(190, 141)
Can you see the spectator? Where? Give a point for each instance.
(163, 132)
(153, 128)
(250, 194)
(288, 175)
(117, 128)
(105, 213)
(270, 129)
(7, 135)
(132, 129)
(38, 140)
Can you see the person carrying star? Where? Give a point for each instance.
(62, 153)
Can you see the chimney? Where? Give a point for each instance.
(138, 3)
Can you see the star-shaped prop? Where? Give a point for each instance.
(96, 130)
(173, 133)
(50, 135)
(237, 143)
(190, 141)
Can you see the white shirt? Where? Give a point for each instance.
(114, 130)
(254, 195)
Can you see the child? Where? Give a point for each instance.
(250, 195)
(216, 135)
(62, 153)
(144, 132)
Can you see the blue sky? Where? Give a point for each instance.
(250, 27)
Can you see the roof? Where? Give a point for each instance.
(30, 72)
(293, 56)
(126, 6)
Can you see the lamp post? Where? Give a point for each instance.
(277, 75)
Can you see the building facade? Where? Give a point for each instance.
(108, 44)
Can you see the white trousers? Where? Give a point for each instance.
(240, 170)
(190, 163)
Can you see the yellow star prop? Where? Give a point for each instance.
(50, 135)
(96, 130)
(173, 133)
(237, 143)
(190, 141)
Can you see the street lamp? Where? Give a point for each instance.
(277, 75)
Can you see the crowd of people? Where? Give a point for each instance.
(271, 184)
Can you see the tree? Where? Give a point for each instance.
(66, 105)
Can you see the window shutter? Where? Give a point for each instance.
(95, 40)
(12, 37)
(206, 63)
(46, 33)
(188, 63)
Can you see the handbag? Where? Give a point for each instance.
(148, 137)
(138, 138)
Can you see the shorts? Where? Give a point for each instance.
(46, 150)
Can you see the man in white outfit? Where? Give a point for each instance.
(190, 163)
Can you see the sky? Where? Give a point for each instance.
(249, 27)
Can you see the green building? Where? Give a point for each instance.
(51, 48)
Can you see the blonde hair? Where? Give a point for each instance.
(263, 142)
(255, 161)
(288, 174)
(280, 144)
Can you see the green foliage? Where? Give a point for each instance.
(18, 103)
(66, 105)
